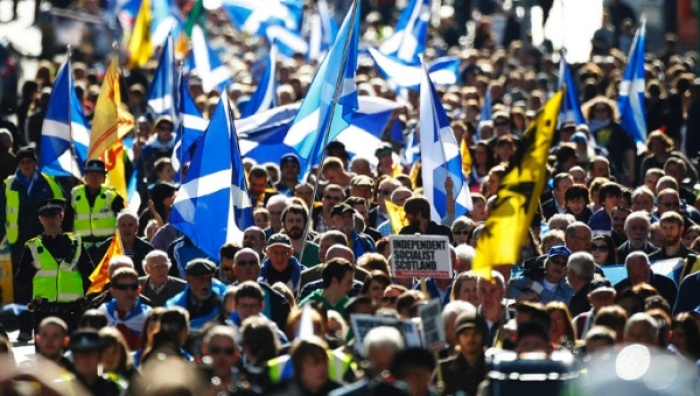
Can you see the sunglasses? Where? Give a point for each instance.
(126, 286)
(600, 248)
(247, 262)
(461, 232)
(215, 350)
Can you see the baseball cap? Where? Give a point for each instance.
(85, 340)
(288, 158)
(50, 207)
(25, 152)
(95, 165)
(470, 320)
(382, 150)
(341, 208)
(559, 250)
(200, 267)
(568, 124)
(361, 181)
(600, 285)
(279, 239)
(579, 137)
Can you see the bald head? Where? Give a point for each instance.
(340, 251)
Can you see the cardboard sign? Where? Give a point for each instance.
(420, 256)
(433, 326)
(363, 323)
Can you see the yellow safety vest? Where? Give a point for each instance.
(54, 281)
(98, 221)
(339, 363)
(12, 205)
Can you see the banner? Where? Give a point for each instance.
(420, 256)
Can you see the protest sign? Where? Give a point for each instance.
(433, 326)
(362, 324)
(420, 256)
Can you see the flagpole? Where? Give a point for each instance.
(70, 110)
(181, 127)
(326, 133)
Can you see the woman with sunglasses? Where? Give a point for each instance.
(603, 250)
(461, 228)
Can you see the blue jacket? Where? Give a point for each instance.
(209, 309)
(293, 283)
(361, 244)
(433, 290)
(562, 293)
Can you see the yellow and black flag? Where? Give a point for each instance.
(506, 226)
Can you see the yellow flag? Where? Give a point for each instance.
(112, 121)
(116, 170)
(140, 45)
(466, 157)
(182, 46)
(506, 226)
(397, 216)
(100, 275)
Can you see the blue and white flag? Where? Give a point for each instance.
(408, 43)
(212, 206)
(411, 149)
(192, 126)
(440, 155)
(571, 105)
(162, 94)
(671, 268)
(261, 136)
(443, 71)
(166, 21)
(486, 112)
(331, 98)
(630, 102)
(213, 73)
(265, 96)
(324, 29)
(65, 133)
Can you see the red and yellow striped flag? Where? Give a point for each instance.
(100, 275)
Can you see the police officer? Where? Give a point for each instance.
(54, 268)
(86, 346)
(95, 205)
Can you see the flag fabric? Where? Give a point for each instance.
(213, 73)
(262, 135)
(630, 101)
(140, 44)
(265, 96)
(508, 222)
(408, 42)
(65, 133)
(397, 216)
(162, 93)
(443, 71)
(192, 126)
(571, 105)
(194, 17)
(486, 113)
(323, 32)
(411, 149)
(166, 21)
(212, 206)
(111, 123)
(331, 98)
(440, 156)
(466, 157)
(100, 275)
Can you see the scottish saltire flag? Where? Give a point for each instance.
(166, 21)
(571, 106)
(261, 136)
(65, 133)
(213, 73)
(162, 94)
(671, 268)
(212, 206)
(331, 98)
(443, 71)
(288, 42)
(323, 32)
(408, 43)
(192, 126)
(440, 155)
(411, 149)
(630, 101)
(265, 96)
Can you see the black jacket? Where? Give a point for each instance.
(664, 285)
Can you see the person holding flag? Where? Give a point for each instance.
(95, 206)
(55, 268)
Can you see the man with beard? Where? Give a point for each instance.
(672, 231)
(637, 226)
(418, 215)
(294, 220)
(198, 298)
(617, 232)
(343, 216)
(254, 238)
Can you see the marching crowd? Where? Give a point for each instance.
(272, 313)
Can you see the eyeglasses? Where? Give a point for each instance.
(600, 248)
(332, 198)
(216, 350)
(247, 262)
(385, 192)
(389, 300)
(126, 286)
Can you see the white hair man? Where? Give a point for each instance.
(157, 285)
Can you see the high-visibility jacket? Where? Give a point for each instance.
(12, 205)
(339, 364)
(54, 281)
(96, 221)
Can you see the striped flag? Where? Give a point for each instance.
(630, 102)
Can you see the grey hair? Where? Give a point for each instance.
(455, 308)
(248, 251)
(277, 199)
(465, 252)
(635, 255)
(638, 215)
(648, 320)
(126, 212)
(228, 332)
(382, 337)
(567, 217)
(642, 190)
(583, 265)
(156, 253)
(117, 262)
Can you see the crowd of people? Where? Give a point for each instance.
(273, 312)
